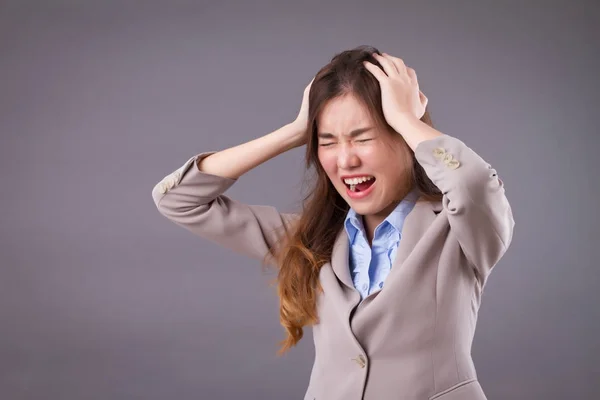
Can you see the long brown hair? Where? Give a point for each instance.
(308, 246)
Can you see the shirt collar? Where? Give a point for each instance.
(353, 222)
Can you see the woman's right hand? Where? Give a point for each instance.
(301, 120)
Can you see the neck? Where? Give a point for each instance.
(372, 221)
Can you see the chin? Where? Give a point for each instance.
(363, 208)
(367, 210)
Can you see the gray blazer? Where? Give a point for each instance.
(412, 339)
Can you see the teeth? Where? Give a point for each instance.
(356, 181)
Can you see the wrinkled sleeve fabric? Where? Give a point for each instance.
(474, 198)
(194, 200)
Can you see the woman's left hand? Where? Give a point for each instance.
(400, 94)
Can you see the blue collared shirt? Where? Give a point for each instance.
(369, 266)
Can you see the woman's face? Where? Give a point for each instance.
(350, 144)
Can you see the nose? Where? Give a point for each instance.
(347, 159)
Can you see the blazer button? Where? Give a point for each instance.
(453, 164)
(439, 152)
(171, 180)
(360, 360)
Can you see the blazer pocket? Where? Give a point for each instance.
(467, 390)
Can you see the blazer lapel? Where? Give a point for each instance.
(340, 258)
(415, 225)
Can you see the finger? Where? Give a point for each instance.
(388, 66)
(392, 62)
(398, 63)
(413, 75)
(375, 70)
(424, 99)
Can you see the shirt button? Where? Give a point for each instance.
(365, 286)
(380, 285)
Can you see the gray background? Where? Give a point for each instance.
(103, 298)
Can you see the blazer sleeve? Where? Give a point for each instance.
(195, 201)
(479, 213)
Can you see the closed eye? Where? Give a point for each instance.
(329, 144)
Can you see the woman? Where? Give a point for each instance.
(389, 256)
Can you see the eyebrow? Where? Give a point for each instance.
(352, 134)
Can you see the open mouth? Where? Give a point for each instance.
(361, 186)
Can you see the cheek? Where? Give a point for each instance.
(328, 162)
(375, 158)
(387, 162)
(398, 171)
